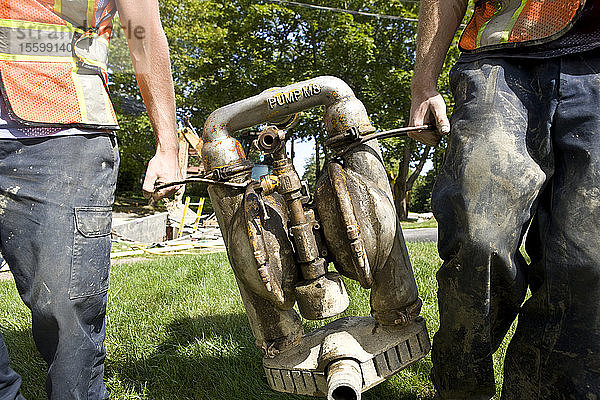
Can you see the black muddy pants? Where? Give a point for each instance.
(524, 152)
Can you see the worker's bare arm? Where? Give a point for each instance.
(438, 22)
(150, 56)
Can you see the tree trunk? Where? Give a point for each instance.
(317, 161)
(403, 184)
(400, 200)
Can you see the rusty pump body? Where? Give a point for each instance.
(279, 245)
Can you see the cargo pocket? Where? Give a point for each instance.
(91, 252)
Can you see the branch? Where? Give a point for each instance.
(413, 177)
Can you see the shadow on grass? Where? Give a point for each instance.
(135, 206)
(213, 358)
(207, 358)
(27, 362)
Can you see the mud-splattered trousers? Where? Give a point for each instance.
(524, 148)
(55, 217)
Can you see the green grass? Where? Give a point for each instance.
(177, 330)
(430, 223)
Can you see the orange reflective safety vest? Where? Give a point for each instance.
(506, 23)
(53, 56)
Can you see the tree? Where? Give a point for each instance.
(404, 181)
(310, 172)
(420, 197)
(414, 154)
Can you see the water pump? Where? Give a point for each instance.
(280, 244)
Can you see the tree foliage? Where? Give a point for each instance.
(420, 195)
(227, 50)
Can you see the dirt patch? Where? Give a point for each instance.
(127, 260)
(6, 276)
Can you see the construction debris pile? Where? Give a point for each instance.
(177, 231)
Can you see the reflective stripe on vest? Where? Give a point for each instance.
(503, 23)
(53, 56)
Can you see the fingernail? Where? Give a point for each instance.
(445, 129)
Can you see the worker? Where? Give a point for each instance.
(58, 170)
(523, 160)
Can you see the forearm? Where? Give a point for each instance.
(153, 73)
(149, 52)
(438, 22)
(150, 56)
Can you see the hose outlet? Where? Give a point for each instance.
(270, 140)
(344, 380)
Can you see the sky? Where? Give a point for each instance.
(306, 149)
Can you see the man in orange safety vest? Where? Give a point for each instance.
(58, 169)
(523, 160)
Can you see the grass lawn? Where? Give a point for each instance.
(429, 223)
(177, 330)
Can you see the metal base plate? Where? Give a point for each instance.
(381, 352)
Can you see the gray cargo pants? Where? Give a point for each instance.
(524, 152)
(55, 217)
